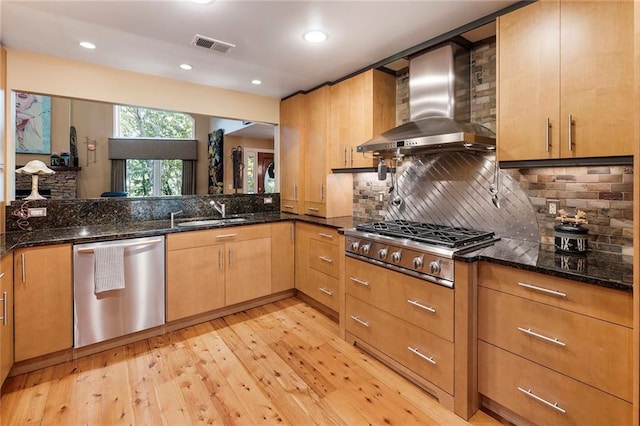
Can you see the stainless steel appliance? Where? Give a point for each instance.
(419, 249)
(138, 306)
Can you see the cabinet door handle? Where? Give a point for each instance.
(322, 192)
(322, 234)
(325, 291)
(326, 259)
(23, 260)
(421, 306)
(226, 236)
(542, 337)
(542, 289)
(359, 281)
(230, 257)
(295, 191)
(553, 405)
(292, 233)
(570, 126)
(344, 156)
(547, 130)
(220, 260)
(421, 355)
(1, 275)
(351, 156)
(358, 320)
(4, 308)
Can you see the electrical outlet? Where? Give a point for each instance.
(552, 207)
(37, 212)
(268, 200)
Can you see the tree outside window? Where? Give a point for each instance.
(153, 177)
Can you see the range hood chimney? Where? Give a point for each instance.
(440, 109)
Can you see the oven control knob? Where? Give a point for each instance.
(382, 253)
(434, 266)
(396, 256)
(365, 248)
(418, 262)
(355, 245)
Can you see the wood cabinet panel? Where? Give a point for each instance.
(598, 302)
(7, 323)
(195, 280)
(423, 304)
(562, 59)
(564, 341)
(282, 256)
(43, 301)
(317, 150)
(422, 352)
(501, 375)
(248, 274)
(325, 257)
(322, 288)
(292, 143)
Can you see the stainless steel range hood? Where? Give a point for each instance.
(439, 107)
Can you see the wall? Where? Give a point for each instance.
(604, 193)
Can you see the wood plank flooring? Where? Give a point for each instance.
(281, 363)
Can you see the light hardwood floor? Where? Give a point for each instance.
(279, 363)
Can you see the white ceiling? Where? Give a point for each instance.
(154, 37)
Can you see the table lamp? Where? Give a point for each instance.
(34, 168)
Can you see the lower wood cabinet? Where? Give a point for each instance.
(210, 269)
(554, 351)
(6, 313)
(319, 263)
(282, 256)
(43, 303)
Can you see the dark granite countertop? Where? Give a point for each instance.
(597, 269)
(593, 268)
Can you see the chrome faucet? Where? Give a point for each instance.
(220, 207)
(173, 215)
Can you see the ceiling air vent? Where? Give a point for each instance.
(211, 44)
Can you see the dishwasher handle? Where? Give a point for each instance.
(129, 245)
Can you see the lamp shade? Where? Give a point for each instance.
(35, 167)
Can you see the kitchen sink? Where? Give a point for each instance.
(210, 222)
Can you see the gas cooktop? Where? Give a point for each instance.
(429, 233)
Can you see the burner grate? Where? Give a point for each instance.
(440, 235)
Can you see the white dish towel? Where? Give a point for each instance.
(109, 268)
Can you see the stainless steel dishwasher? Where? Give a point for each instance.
(138, 306)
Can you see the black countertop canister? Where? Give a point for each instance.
(571, 238)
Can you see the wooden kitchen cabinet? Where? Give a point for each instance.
(566, 342)
(565, 80)
(292, 166)
(319, 264)
(43, 303)
(6, 323)
(326, 194)
(210, 269)
(362, 107)
(282, 256)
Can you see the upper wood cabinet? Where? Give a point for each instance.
(325, 194)
(43, 305)
(292, 171)
(362, 107)
(565, 73)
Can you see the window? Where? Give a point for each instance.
(149, 176)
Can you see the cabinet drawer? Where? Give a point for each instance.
(421, 303)
(322, 288)
(216, 236)
(289, 206)
(325, 257)
(315, 209)
(599, 302)
(322, 233)
(424, 353)
(592, 351)
(502, 374)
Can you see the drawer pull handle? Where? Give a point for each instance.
(4, 307)
(544, 401)
(542, 289)
(325, 291)
(540, 336)
(356, 280)
(421, 355)
(226, 236)
(421, 306)
(288, 206)
(1, 274)
(326, 259)
(322, 234)
(313, 209)
(357, 319)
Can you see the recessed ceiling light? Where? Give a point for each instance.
(256, 82)
(314, 36)
(186, 66)
(87, 45)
